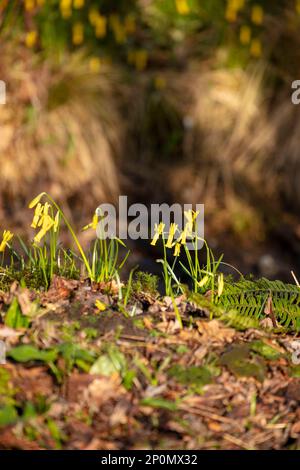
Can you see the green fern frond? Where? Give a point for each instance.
(248, 298)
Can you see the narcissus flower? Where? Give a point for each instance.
(7, 236)
(47, 224)
(182, 7)
(257, 14)
(29, 5)
(37, 214)
(77, 33)
(172, 231)
(256, 48)
(36, 200)
(177, 249)
(159, 229)
(78, 4)
(100, 24)
(93, 224)
(191, 217)
(31, 38)
(100, 305)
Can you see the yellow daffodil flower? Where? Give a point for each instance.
(257, 14)
(78, 4)
(100, 26)
(37, 214)
(93, 15)
(245, 35)
(29, 5)
(95, 64)
(92, 224)
(172, 231)
(191, 217)
(177, 249)
(100, 305)
(256, 48)
(6, 237)
(77, 34)
(182, 7)
(31, 38)
(47, 224)
(65, 8)
(36, 200)
(183, 235)
(159, 229)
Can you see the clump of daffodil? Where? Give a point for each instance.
(6, 237)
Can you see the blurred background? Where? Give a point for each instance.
(183, 101)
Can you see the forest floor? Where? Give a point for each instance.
(77, 377)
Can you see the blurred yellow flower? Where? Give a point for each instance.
(182, 7)
(130, 24)
(29, 5)
(231, 15)
(65, 8)
(257, 14)
(40, 3)
(256, 48)
(93, 15)
(6, 237)
(31, 38)
(159, 82)
(141, 59)
(159, 229)
(245, 35)
(100, 26)
(100, 305)
(78, 4)
(77, 34)
(298, 7)
(95, 64)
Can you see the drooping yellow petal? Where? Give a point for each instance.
(177, 249)
(37, 214)
(172, 231)
(36, 200)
